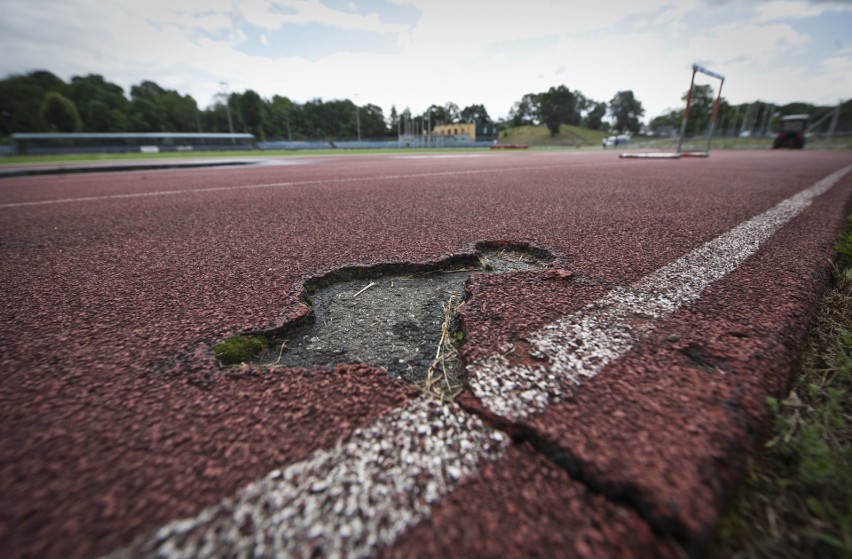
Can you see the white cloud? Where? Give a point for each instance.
(737, 43)
(272, 14)
(673, 16)
(836, 72)
(797, 9)
(477, 51)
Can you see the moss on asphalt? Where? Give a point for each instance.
(239, 349)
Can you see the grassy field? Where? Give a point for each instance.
(796, 502)
(539, 136)
(536, 137)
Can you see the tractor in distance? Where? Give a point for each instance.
(792, 133)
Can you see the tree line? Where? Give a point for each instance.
(559, 105)
(41, 102)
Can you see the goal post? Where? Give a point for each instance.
(696, 69)
(685, 120)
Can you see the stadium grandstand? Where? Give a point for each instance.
(153, 142)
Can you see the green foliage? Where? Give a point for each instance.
(239, 349)
(594, 118)
(526, 111)
(701, 108)
(627, 111)
(253, 112)
(60, 114)
(154, 109)
(475, 114)
(102, 105)
(844, 250)
(21, 99)
(557, 107)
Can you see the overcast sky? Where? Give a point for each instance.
(414, 53)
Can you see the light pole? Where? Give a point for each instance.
(357, 118)
(224, 94)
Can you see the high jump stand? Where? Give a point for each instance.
(679, 153)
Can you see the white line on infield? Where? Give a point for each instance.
(361, 494)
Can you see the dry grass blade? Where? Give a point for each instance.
(444, 379)
(368, 286)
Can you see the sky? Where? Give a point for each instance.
(415, 53)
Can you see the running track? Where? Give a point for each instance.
(610, 408)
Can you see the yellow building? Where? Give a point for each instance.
(482, 131)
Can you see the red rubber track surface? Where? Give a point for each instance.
(114, 420)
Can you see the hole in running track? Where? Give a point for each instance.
(404, 321)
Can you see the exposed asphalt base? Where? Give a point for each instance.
(404, 323)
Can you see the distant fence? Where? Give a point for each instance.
(154, 142)
(407, 143)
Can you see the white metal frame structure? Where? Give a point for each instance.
(680, 153)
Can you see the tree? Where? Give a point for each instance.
(557, 107)
(103, 106)
(48, 81)
(373, 124)
(627, 111)
(435, 115)
(451, 113)
(670, 119)
(582, 105)
(278, 118)
(21, 98)
(594, 118)
(393, 121)
(700, 108)
(155, 109)
(251, 109)
(525, 111)
(60, 114)
(475, 114)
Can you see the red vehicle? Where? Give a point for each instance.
(792, 133)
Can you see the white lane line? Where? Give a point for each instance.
(273, 185)
(443, 156)
(342, 502)
(364, 492)
(580, 345)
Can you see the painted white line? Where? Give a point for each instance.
(271, 185)
(580, 345)
(443, 156)
(342, 502)
(364, 492)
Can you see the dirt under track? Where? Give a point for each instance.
(115, 419)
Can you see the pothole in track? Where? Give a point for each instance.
(404, 322)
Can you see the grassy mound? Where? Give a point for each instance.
(539, 136)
